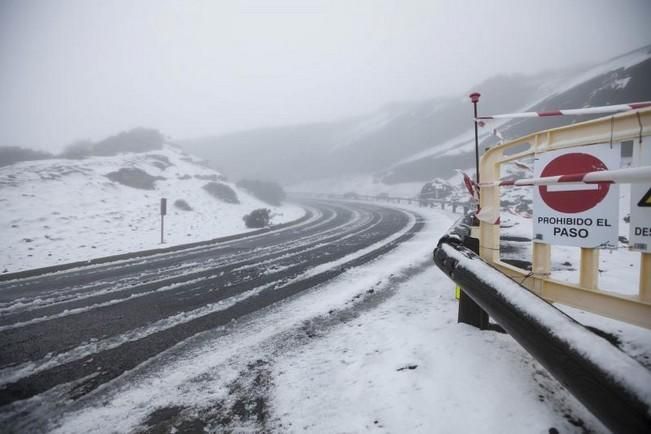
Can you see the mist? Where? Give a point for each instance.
(74, 70)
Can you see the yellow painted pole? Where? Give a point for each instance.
(541, 265)
(589, 269)
(645, 277)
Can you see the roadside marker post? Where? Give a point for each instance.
(163, 211)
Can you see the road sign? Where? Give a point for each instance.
(163, 206)
(646, 200)
(573, 198)
(640, 224)
(576, 214)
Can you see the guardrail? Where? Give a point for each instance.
(585, 294)
(463, 207)
(613, 386)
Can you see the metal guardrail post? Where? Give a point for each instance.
(469, 312)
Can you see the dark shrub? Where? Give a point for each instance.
(135, 140)
(211, 177)
(160, 161)
(182, 205)
(14, 154)
(222, 192)
(435, 189)
(135, 178)
(269, 192)
(259, 218)
(78, 150)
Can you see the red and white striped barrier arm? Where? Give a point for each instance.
(631, 175)
(570, 112)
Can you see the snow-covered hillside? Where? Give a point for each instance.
(617, 77)
(57, 211)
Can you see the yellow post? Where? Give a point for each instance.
(541, 265)
(489, 233)
(589, 269)
(645, 277)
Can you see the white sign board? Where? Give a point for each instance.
(580, 215)
(640, 225)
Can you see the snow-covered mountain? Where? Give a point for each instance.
(620, 80)
(413, 142)
(61, 210)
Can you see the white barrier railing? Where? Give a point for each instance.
(622, 127)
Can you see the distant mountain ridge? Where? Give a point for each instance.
(364, 144)
(135, 140)
(416, 141)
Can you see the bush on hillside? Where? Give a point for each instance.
(222, 192)
(78, 150)
(259, 218)
(15, 154)
(182, 205)
(160, 161)
(269, 192)
(135, 140)
(211, 177)
(132, 177)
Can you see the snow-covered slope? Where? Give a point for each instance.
(57, 211)
(619, 80)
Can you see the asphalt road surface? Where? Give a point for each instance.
(75, 330)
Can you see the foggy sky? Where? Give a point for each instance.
(87, 69)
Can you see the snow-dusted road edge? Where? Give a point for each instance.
(377, 347)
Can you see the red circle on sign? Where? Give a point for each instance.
(573, 201)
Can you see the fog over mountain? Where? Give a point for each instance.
(416, 141)
(77, 70)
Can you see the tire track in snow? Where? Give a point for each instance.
(124, 291)
(89, 364)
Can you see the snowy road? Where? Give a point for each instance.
(67, 334)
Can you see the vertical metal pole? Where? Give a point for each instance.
(474, 97)
(469, 311)
(163, 211)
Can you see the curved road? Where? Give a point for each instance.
(81, 328)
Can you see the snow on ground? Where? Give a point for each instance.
(58, 211)
(407, 366)
(377, 348)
